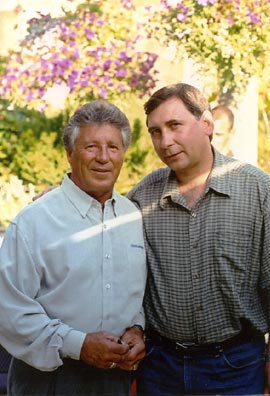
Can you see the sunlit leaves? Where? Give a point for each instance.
(13, 197)
(230, 36)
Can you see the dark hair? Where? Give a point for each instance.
(192, 98)
(96, 112)
(223, 111)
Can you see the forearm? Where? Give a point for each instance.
(26, 330)
(38, 340)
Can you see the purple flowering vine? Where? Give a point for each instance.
(84, 53)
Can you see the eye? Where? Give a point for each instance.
(114, 146)
(175, 124)
(154, 132)
(90, 147)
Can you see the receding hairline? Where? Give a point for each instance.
(192, 98)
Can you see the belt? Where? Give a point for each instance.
(192, 348)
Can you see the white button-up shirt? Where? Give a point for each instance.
(67, 268)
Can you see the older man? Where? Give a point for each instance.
(72, 272)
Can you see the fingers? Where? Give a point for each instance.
(129, 366)
(134, 356)
(113, 365)
(105, 350)
(102, 349)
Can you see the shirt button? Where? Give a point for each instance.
(104, 226)
(107, 256)
(196, 275)
(108, 286)
(199, 307)
(193, 214)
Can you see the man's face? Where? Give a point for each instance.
(97, 159)
(179, 138)
(222, 134)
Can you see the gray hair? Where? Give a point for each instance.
(96, 112)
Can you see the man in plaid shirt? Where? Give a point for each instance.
(207, 233)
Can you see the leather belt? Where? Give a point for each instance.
(192, 348)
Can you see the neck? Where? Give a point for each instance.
(193, 184)
(196, 174)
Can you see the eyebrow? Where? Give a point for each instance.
(166, 123)
(153, 128)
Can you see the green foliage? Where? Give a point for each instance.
(43, 164)
(264, 131)
(136, 157)
(135, 161)
(30, 145)
(228, 39)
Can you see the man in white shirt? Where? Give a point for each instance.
(72, 272)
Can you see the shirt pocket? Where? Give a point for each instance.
(230, 258)
(129, 259)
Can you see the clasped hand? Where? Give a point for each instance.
(101, 349)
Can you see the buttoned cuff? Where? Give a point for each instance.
(72, 345)
(139, 320)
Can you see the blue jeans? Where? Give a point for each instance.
(238, 370)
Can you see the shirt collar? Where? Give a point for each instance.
(79, 198)
(170, 189)
(219, 179)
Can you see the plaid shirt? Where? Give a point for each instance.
(208, 267)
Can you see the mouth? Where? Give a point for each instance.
(101, 170)
(171, 156)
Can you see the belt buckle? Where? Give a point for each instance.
(185, 345)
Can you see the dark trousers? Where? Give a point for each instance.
(72, 379)
(4, 365)
(237, 370)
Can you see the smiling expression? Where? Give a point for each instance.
(96, 159)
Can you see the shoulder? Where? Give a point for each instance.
(250, 183)
(125, 204)
(239, 170)
(156, 178)
(252, 172)
(50, 201)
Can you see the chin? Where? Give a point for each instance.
(176, 165)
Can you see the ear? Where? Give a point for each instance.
(208, 121)
(69, 154)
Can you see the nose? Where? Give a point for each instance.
(166, 139)
(102, 155)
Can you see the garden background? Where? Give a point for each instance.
(57, 55)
